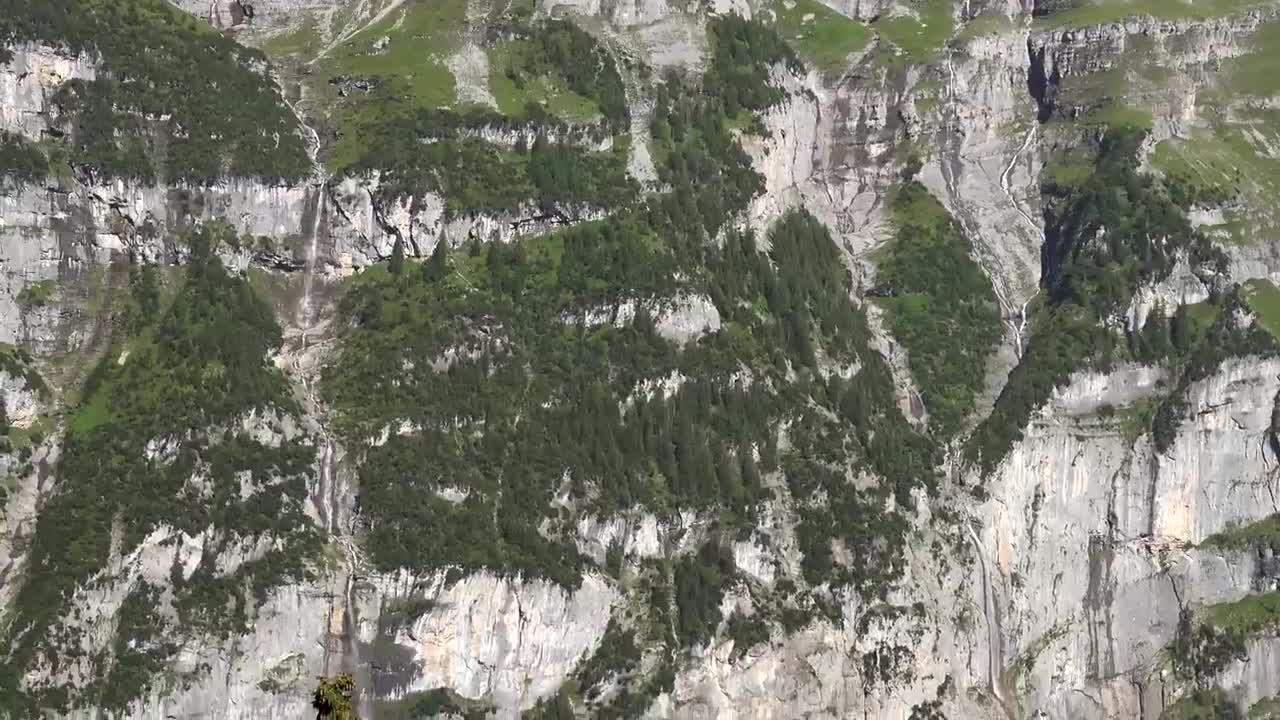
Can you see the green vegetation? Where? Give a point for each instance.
(617, 660)
(21, 161)
(160, 409)
(514, 88)
(557, 707)
(699, 589)
(1265, 709)
(919, 39)
(1262, 532)
(382, 131)
(1247, 73)
(478, 176)
(546, 391)
(18, 363)
(559, 53)
(541, 74)
(332, 698)
(303, 41)
(139, 648)
(1264, 300)
(616, 655)
(928, 709)
(746, 633)
(1229, 166)
(1196, 353)
(1097, 12)
(518, 379)
(742, 53)
(821, 35)
(1120, 97)
(986, 24)
(1069, 172)
(1135, 420)
(1123, 95)
(406, 73)
(941, 305)
(1087, 281)
(1211, 704)
(1249, 616)
(439, 702)
(421, 36)
(1114, 114)
(36, 295)
(530, 396)
(1201, 651)
(221, 111)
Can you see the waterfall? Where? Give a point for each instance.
(995, 658)
(1021, 329)
(351, 632)
(328, 496)
(312, 260)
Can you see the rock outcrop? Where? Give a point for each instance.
(1094, 536)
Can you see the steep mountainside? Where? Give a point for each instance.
(640, 358)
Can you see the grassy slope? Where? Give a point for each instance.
(1253, 74)
(1265, 709)
(919, 39)
(407, 53)
(1264, 299)
(823, 37)
(1200, 705)
(1250, 615)
(1127, 93)
(1234, 154)
(1263, 531)
(422, 35)
(549, 91)
(826, 39)
(1124, 95)
(1094, 12)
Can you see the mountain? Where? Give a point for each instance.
(640, 358)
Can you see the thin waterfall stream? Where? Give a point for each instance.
(327, 496)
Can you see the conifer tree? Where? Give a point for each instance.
(396, 265)
(438, 266)
(333, 696)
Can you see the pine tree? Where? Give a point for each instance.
(1154, 344)
(396, 265)
(438, 266)
(332, 698)
(1180, 330)
(729, 477)
(750, 474)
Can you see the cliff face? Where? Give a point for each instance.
(56, 229)
(1093, 536)
(1051, 587)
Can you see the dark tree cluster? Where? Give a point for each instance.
(559, 46)
(174, 100)
(21, 161)
(944, 310)
(743, 54)
(147, 423)
(478, 176)
(1105, 237)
